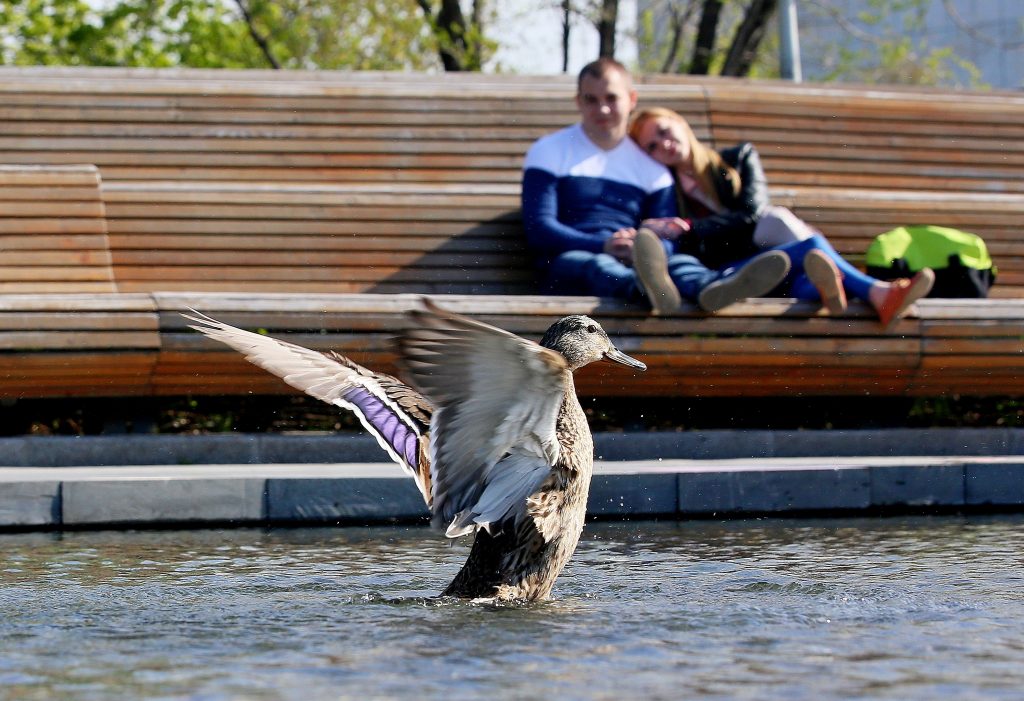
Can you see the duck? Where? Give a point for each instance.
(489, 426)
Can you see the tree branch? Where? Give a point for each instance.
(847, 26)
(680, 18)
(261, 41)
(566, 29)
(743, 49)
(973, 32)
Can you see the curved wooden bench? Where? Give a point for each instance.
(318, 206)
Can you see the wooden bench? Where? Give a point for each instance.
(318, 206)
(53, 231)
(61, 331)
(860, 162)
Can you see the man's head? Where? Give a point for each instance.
(605, 97)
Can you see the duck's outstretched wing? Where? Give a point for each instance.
(496, 396)
(394, 413)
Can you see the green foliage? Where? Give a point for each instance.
(299, 34)
(886, 46)
(335, 34)
(881, 43)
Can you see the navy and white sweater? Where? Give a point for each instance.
(576, 194)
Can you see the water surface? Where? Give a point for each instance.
(923, 608)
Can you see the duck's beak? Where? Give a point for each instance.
(616, 356)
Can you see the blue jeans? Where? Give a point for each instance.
(855, 282)
(586, 273)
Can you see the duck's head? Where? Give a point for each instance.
(582, 340)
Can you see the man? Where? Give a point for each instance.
(586, 190)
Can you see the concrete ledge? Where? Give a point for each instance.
(345, 499)
(30, 503)
(997, 482)
(61, 451)
(157, 495)
(163, 501)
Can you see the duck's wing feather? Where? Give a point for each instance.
(504, 496)
(394, 413)
(495, 394)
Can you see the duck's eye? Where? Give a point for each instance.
(592, 328)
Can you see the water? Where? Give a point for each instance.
(925, 608)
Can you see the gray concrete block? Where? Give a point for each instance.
(56, 451)
(632, 495)
(995, 483)
(14, 451)
(369, 498)
(769, 491)
(52, 451)
(159, 501)
(691, 445)
(917, 485)
(29, 503)
(320, 448)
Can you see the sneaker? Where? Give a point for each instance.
(758, 277)
(651, 265)
(902, 293)
(826, 278)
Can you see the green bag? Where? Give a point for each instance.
(960, 260)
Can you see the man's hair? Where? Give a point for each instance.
(599, 69)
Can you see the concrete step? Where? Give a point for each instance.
(90, 496)
(141, 449)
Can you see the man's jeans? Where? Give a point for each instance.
(586, 273)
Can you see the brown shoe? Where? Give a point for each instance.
(651, 265)
(826, 278)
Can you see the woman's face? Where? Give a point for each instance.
(664, 139)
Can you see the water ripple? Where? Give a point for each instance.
(897, 608)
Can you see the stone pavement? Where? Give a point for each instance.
(76, 483)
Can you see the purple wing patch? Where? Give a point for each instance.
(389, 426)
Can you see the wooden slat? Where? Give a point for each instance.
(321, 205)
(53, 230)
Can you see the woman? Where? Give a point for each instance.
(725, 216)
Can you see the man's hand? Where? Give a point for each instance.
(620, 245)
(668, 228)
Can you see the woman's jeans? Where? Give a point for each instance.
(583, 272)
(855, 282)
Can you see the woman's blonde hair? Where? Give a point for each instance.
(706, 161)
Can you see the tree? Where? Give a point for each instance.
(607, 21)
(886, 43)
(666, 25)
(462, 45)
(297, 34)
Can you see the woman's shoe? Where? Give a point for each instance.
(651, 265)
(826, 278)
(902, 293)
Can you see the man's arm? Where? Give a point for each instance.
(660, 207)
(540, 218)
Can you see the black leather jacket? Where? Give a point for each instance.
(720, 239)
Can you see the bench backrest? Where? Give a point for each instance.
(323, 127)
(378, 182)
(53, 235)
(879, 138)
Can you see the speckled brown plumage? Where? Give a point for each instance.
(491, 430)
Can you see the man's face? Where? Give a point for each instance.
(604, 104)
